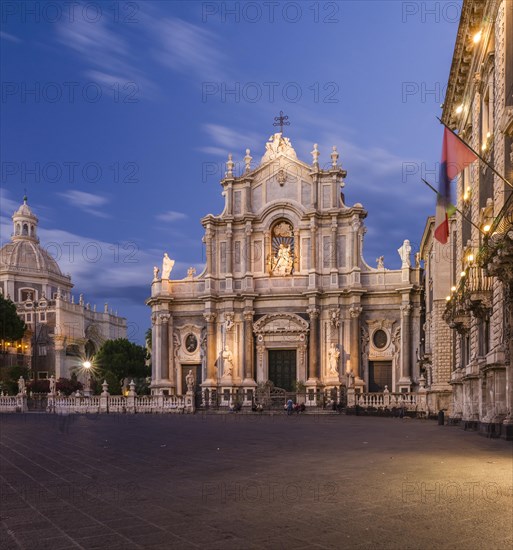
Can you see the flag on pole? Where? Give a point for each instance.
(456, 156)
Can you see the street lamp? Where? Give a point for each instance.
(87, 366)
(36, 309)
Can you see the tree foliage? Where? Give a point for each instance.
(12, 327)
(118, 359)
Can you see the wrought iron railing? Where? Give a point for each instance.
(471, 297)
(496, 254)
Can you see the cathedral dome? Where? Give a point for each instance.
(24, 253)
(27, 256)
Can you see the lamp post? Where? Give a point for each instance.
(35, 308)
(87, 366)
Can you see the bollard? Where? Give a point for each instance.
(441, 418)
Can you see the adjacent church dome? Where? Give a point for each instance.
(24, 252)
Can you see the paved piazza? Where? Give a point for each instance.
(241, 481)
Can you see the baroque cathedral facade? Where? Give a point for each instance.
(286, 295)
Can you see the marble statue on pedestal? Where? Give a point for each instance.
(189, 380)
(333, 357)
(167, 266)
(405, 253)
(227, 362)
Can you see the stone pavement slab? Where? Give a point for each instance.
(238, 481)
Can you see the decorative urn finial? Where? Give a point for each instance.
(334, 157)
(247, 160)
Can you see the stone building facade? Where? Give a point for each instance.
(477, 269)
(286, 295)
(60, 334)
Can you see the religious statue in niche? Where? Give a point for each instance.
(282, 254)
(189, 380)
(333, 356)
(227, 362)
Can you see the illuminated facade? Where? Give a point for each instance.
(286, 295)
(474, 272)
(60, 333)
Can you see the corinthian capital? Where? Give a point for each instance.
(209, 317)
(248, 315)
(354, 311)
(406, 309)
(164, 317)
(313, 312)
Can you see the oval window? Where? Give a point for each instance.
(380, 339)
(191, 343)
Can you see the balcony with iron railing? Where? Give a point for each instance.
(496, 253)
(472, 297)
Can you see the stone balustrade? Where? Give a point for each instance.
(104, 403)
(410, 401)
(8, 403)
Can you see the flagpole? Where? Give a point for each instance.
(477, 154)
(455, 208)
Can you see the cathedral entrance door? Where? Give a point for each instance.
(380, 375)
(282, 368)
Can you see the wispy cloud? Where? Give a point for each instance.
(187, 48)
(225, 140)
(10, 37)
(171, 216)
(108, 56)
(112, 53)
(88, 202)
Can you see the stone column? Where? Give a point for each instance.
(164, 346)
(405, 380)
(249, 374)
(508, 335)
(313, 362)
(334, 228)
(313, 245)
(354, 313)
(247, 197)
(211, 348)
(247, 250)
(208, 245)
(60, 358)
(355, 253)
(267, 251)
(229, 197)
(229, 257)
(171, 355)
(248, 255)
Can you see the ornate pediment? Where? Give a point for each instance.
(276, 323)
(276, 146)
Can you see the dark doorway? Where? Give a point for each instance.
(282, 368)
(380, 375)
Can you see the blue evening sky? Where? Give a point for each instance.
(117, 118)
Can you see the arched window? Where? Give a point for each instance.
(32, 232)
(25, 229)
(17, 230)
(282, 254)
